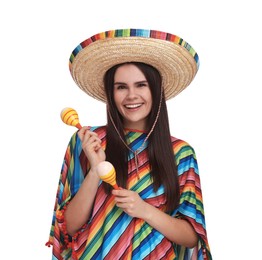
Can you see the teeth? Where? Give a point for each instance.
(133, 106)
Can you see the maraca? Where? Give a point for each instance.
(107, 173)
(70, 117)
(105, 169)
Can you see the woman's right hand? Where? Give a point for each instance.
(91, 145)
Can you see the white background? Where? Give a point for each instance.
(219, 114)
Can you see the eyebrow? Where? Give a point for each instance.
(138, 82)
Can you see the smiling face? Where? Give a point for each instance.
(132, 96)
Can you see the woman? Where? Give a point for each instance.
(158, 212)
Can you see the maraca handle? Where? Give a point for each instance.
(78, 126)
(115, 186)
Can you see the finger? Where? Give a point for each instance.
(81, 133)
(92, 139)
(123, 206)
(85, 136)
(88, 134)
(121, 192)
(92, 145)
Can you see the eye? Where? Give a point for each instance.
(121, 87)
(142, 84)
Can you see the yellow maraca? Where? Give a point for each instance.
(107, 173)
(70, 117)
(105, 169)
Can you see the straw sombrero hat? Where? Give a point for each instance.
(174, 58)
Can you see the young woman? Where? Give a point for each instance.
(158, 211)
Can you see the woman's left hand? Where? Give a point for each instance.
(130, 202)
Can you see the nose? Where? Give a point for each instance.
(131, 93)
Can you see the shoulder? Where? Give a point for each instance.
(182, 149)
(180, 145)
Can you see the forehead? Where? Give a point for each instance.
(129, 71)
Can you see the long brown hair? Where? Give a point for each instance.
(160, 151)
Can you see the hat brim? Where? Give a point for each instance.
(174, 58)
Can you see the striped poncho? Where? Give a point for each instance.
(112, 234)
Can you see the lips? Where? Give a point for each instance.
(132, 106)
